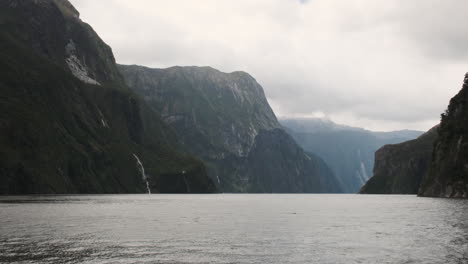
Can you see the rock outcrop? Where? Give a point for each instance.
(400, 168)
(225, 120)
(68, 122)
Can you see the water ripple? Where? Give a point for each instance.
(233, 229)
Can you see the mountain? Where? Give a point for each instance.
(349, 151)
(226, 121)
(397, 135)
(276, 164)
(315, 125)
(448, 171)
(400, 168)
(68, 122)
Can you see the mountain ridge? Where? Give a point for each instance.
(220, 117)
(302, 124)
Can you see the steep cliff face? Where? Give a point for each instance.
(349, 151)
(227, 110)
(448, 172)
(68, 123)
(400, 168)
(225, 119)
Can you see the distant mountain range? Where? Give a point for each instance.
(349, 151)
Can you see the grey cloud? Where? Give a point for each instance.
(438, 27)
(376, 64)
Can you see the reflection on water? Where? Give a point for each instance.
(233, 228)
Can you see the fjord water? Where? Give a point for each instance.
(233, 228)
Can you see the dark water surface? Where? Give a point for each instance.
(233, 228)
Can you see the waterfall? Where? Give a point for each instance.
(142, 171)
(187, 185)
(219, 182)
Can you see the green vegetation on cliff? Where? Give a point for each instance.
(448, 171)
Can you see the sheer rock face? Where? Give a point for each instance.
(205, 98)
(68, 122)
(400, 168)
(448, 172)
(222, 118)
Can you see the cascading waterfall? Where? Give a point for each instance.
(142, 171)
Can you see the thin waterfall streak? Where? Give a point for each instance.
(142, 171)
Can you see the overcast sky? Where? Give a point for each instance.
(378, 64)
